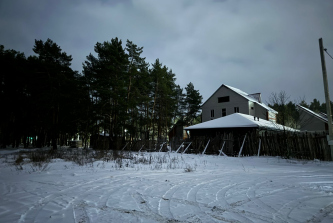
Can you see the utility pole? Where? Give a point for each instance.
(327, 97)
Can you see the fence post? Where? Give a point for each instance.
(124, 147)
(205, 147)
(186, 148)
(241, 149)
(179, 147)
(161, 147)
(141, 147)
(221, 151)
(259, 146)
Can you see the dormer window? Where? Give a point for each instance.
(223, 99)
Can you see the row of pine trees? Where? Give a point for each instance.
(44, 101)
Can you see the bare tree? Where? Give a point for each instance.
(279, 101)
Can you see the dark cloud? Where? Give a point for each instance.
(257, 46)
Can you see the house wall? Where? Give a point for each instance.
(252, 108)
(235, 101)
(311, 123)
(271, 116)
(260, 112)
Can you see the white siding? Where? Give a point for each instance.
(235, 100)
(271, 116)
(252, 110)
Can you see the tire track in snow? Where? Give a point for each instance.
(251, 194)
(77, 204)
(164, 202)
(59, 204)
(284, 212)
(323, 215)
(4, 189)
(191, 197)
(38, 206)
(222, 205)
(146, 211)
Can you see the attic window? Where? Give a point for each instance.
(223, 99)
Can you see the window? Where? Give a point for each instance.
(224, 112)
(223, 99)
(236, 109)
(212, 113)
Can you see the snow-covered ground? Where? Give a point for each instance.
(168, 187)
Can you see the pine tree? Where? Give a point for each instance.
(13, 97)
(137, 90)
(108, 85)
(193, 101)
(53, 87)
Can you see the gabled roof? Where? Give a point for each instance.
(322, 116)
(238, 120)
(245, 95)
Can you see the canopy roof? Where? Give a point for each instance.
(238, 120)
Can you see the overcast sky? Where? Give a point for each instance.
(256, 46)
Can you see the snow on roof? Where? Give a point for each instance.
(245, 95)
(322, 117)
(250, 98)
(238, 120)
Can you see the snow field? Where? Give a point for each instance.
(171, 188)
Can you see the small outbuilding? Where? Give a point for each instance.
(237, 122)
(312, 121)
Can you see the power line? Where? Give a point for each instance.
(328, 53)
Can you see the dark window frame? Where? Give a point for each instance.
(224, 112)
(212, 113)
(223, 99)
(236, 109)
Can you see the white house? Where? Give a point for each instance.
(227, 100)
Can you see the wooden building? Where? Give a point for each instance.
(237, 123)
(235, 130)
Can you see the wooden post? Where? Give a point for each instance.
(241, 149)
(124, 147)
(141, 147)
(259, 147)
(179, 147)
(327, 96)
(221, 151)
(186, 148)
(161, 147)
(205, 148)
